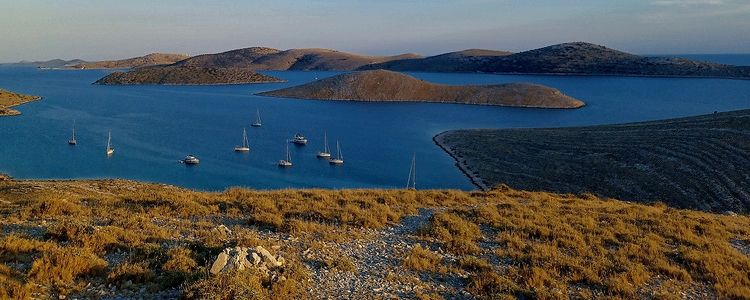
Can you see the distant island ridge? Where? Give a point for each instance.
(381, 85)
(576, 58)
(10, 99)
(135, 62)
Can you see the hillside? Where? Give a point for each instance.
(462, 61)
(185, 76)
(259, 58)
(135, 62)
(10, 99)
(119, 239)
(697, 162)
(380, 85)
(574, 58)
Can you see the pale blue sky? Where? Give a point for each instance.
(106, 29)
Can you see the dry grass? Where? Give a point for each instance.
(532, 244)
(421, 260)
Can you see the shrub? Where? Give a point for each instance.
(422, 260)
(456, 234)
(63, 265)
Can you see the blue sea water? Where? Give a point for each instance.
(155, 126)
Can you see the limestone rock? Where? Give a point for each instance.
(243, 258)
(220, 262)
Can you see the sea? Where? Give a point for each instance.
(153, 127)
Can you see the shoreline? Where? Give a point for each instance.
(462, 166)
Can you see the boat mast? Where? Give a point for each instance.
(109, 139)
(74, 130)
(338, 150)
(245, 142)
(288, 156)
(325, 140)
(411, 182)
(257, 115)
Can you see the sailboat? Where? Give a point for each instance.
(411, 183)
(339, 159)
(245, 144)
(326, 153)
(288, 161)
(110, 150)
(257, 122)
(72, 140)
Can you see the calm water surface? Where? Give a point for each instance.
(155, 126)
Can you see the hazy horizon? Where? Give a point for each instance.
(76, 29)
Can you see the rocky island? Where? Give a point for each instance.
(695, 162)
(380, 85)
(185, 75)
(10, 99)
(576, 58)
(135, 62)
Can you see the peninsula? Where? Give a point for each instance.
(10, 99)
(135, 62)
(380, 85)
(695, 162)
(576, 58)
(185, 75)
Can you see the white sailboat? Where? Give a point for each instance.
(288, 161)
(245, 144)
(191, 160)
(110, 149)
(72, 140)
(339, 159)
(326, 153)
(411, 183)
(257, 122)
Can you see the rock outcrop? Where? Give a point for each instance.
(244, 258)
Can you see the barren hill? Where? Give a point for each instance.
(135, 62)
(185, 75)
(461, 61)
(380, 85)
(570, 58)
(239, 58)
(259, 58)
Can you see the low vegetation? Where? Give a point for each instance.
(121, 238)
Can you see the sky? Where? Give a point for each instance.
(108, 29)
